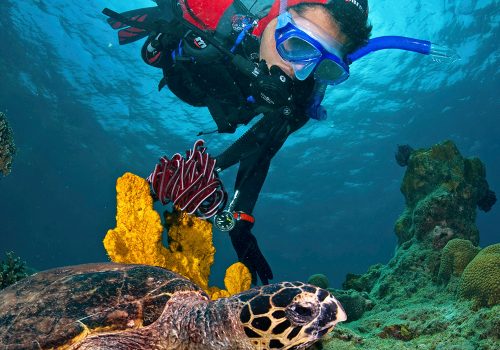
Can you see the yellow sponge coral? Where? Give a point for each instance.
(137, 236)
(481, 278)
(238, 278)
(137, 239)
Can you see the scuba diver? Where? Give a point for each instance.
(217, 54)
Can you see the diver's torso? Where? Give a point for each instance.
(203, 76)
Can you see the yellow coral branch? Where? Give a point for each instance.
(137, 239)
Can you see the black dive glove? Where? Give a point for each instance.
(247, 249)
(271, 88)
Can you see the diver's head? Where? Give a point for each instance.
(336, 27)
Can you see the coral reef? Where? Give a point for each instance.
(456, 255)
(403, 154)
(137, 239)
(363, 282)
(487, 202)
(481, 278)
(437, 292)
(7, 147)
(442, 190)
(354, 303)
(12, 269)
(319, 280)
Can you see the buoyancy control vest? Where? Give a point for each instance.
(199, 74)
(230, 83)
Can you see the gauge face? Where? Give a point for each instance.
(224, 221)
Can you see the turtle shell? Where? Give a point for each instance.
(56, 308)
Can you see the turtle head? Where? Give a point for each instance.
(288, 315)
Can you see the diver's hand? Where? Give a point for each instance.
(247, 249)
(271, 88)
(161, 41)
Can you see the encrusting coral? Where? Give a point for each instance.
(456, 255)
(481, 278)
(7, 147)
(137, 239)
(12, 269)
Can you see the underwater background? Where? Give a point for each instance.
(84, 110)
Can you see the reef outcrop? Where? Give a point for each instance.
(440, 291)
(442, 190)
(138, 239)
(7, 146)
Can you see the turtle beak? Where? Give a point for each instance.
(332, 313)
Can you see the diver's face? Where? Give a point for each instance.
(317, 15)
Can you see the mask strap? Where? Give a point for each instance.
(283, 6)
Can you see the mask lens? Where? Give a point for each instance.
(295, 49)
(303, 70)
(330, 71)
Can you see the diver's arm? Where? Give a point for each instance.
(267, 135)
(249, 143)
(157, 49)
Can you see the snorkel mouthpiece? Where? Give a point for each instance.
(442, 53)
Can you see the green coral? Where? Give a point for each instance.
(7, 147)
(12, 269)
(456, 255)
(410, 311)
(355, 303)
(365, 282)
(319, 280)
(481, 278)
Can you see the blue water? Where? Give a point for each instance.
(85, 110)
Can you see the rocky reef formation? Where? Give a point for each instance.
(12, 269)
(7, 147)
(137, 239)
(440, 291)
(442, 190)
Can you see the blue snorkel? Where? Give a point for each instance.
(424, 47)
(440, 53)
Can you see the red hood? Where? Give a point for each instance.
(205, 14)
(274, 12)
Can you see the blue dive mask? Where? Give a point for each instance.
(308, 48)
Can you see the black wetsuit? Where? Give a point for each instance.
(201, 76)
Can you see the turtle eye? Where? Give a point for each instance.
(302, 313)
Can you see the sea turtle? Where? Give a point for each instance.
(117, 306)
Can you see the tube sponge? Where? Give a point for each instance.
(137, 239)
(481, 278)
